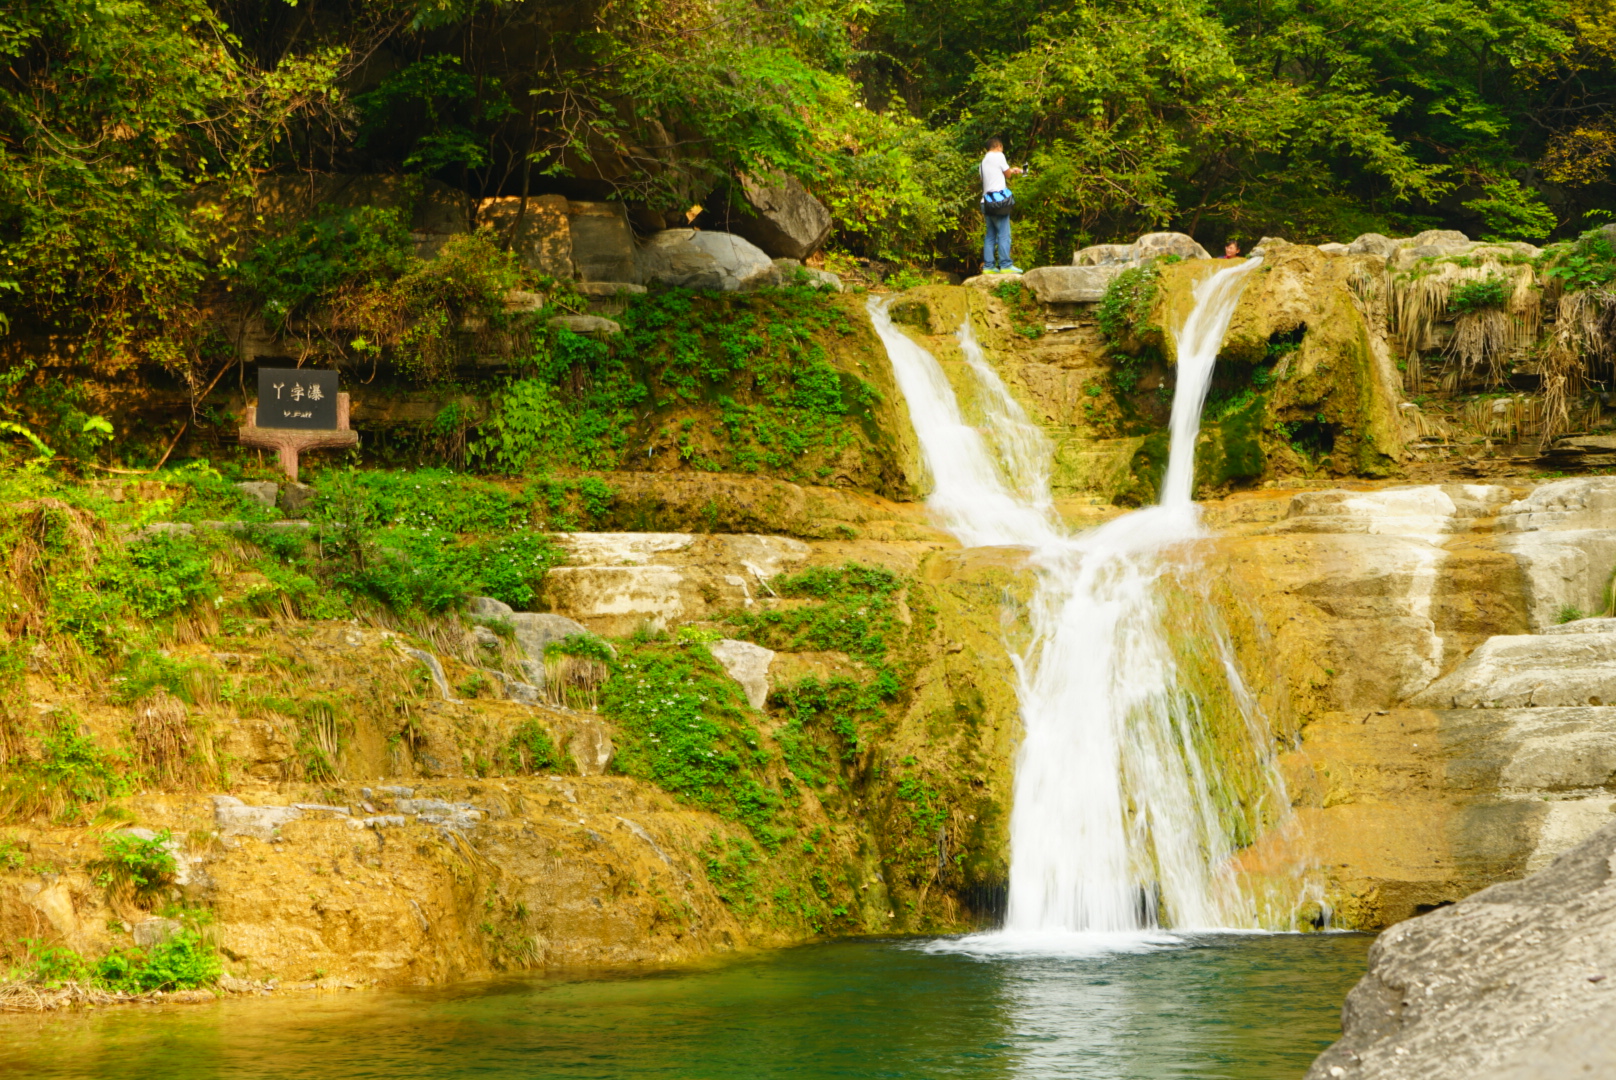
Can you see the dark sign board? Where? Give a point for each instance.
(297, 398)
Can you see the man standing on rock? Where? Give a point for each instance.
(997, 202)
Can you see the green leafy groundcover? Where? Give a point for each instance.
(685, 725)
(759, 358)
(184, 962)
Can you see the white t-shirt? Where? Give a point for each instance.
(993, 167)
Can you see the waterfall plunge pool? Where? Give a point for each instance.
(1209, 1006)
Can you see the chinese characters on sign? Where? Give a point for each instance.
(297, 398)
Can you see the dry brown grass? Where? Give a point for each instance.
(38, 526)
(1584, 344)
(1483, 340)
(574, 682)
(160, 735)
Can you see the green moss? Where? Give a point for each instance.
(1238, 436)
(1147, 469)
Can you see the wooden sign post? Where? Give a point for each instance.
(298, 409)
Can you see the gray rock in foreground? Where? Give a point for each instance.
(1517, 982)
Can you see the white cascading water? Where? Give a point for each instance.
(1113, 826)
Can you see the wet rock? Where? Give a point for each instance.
(786, 221)
(1515, 981)
(747, 664)
(435, 667)
(1564, 535)
(696, 259)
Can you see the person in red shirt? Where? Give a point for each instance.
(1231, 250)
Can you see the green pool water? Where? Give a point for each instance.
(1243, 1007)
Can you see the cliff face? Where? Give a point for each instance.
(404, 799)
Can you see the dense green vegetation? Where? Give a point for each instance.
(1312, 121)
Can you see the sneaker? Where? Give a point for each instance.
(989, 270)
(1012, 270)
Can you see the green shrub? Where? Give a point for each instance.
(134, 865)
(340, 250)
(163, 574)
(1124, 311)
(13, 853)
(584, 646)
(70, 771)
(530, 750)
(1468, 297)
(1589, 262)
(184, 962)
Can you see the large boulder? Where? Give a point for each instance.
(1156, 244)
(539, 233)
(786, 221)
(1372, 243)
(1104, 255)
(696, 259)
(1148, 246)
(1070, 284)
(1517, 981)
(602, 242)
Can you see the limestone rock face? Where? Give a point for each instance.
(540, 234)
(614, 583)
(236, 818)
(602, 242)
(1516, 981)
(747, 664)
(789, 223)
(1529, 670)
(1564, 534)
(1342, 374)
(695, 259)
(1070, 284)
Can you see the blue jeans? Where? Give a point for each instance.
(997, 231)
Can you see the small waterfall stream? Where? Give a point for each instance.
(1114, 827)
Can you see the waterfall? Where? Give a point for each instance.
(1114, 826)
